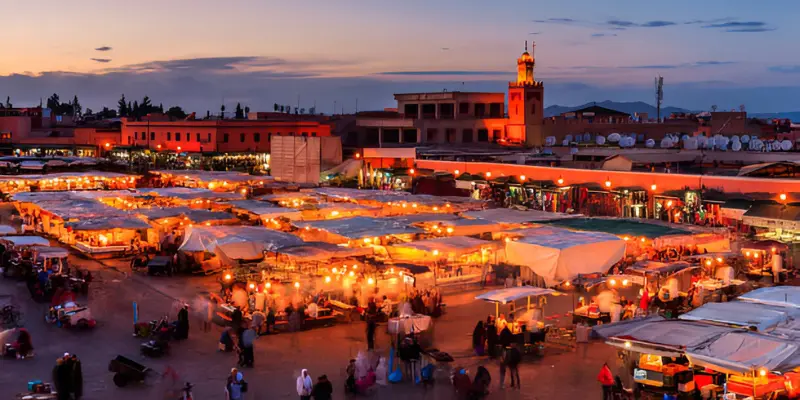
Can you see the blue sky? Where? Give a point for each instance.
(200, 53)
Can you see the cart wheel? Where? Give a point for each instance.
(120, 380)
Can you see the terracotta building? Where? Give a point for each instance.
(225, 136)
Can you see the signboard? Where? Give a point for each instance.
(588, 114)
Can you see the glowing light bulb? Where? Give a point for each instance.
(560, 181)
(335, 270)
(327, 279)
(252, 286)
(370, 281)
(522, 178)
(613, 282)
(488, 174)
(653, 187)
(456, 172)
(227, 277)
(352, 273)
(297, 285)
(449, 230)
(436, 252)
(783, 196)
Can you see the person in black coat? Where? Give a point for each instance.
(491, 337)
(323, 389)
(371, 326)
(77, 377)
(182, 328)
(236, 319)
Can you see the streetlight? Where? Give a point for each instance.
(782, 196)
(488, 174)
(560, 181)
(653, 187)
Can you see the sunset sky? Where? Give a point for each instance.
(200, 53)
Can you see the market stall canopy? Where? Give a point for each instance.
(386, 197)
(741, 314)
(104, 224)
(52, 252)
(713, 242)
(743, 353)
(211, 176)
(618, 226)
(558, 255)
(773, 215)
(265, 210)
(668, 338)
(160, 213)
(360, 227)
(26, 240)
(202, 216)
(184, 193)
(467, 227)
(422, 218)
(510, 216)
(453, 246)
(67, 175)
(206, 238)
(615, 328)
(783, 296)
(508, 295)
(349, 168)
(659, 268)
(321, 251)
(7, 230)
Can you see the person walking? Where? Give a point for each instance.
(606, 379)
(304, 385)
(512, 359)
(76, 377)
(323, 389)
(182, 328)
(248, 343)
(371, 326)
(350, 383)
(236, 387)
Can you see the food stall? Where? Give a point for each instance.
(455, 259)
(672, 281)
(525, 322)
(589, 312)
(356, 231)
(100, 237)
(765, 258)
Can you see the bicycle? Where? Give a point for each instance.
(11, 317)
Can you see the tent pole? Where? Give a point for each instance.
(496, 310)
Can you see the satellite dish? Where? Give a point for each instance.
(614, 137)
(600, 140)
(691, 143)
(573, 150)
(565, 142)
(650, 143)
(735, 138)
(666, 143)
(587, 137)
(776, 145)
(684, 138)
(756, 145)
(550, 141)
(578, 138)
(722, 142)
(745, 139)
(786, 145)
(736, 146)
(568, 138)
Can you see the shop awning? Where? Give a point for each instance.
(360, 227)
(264, 209)
(668, 337)
(7, 230)
(321, 251)
(239, 242)
(657, 268)
(615, 328)
(507, 295)
(619, 226)
(444, 247)
(773, 215)
(103, 224)
(184, 193)
(510, 216)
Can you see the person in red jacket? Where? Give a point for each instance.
(607, 380)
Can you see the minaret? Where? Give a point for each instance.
(525, 104)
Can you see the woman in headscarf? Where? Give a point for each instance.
(491, 336)
(478, 338)
(304, 385)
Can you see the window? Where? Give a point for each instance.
(480, 110)
(431, 135)
(177, 136)
(409, 136)
(466, 136)
(152, 136)
(209, 137)
(198, 136)
(169, 135)
(224, 138)
(463, 108)
(129, 140)
(269, 137)
(257, 137)
(241, 137)
(313, 134)
(135, 135)
(497, 134)
(483, 135)
(304, 134)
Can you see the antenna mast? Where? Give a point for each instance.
(659, 96)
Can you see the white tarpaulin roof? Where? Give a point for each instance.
(65, 175)
(184, 193)
(511, 294)
(264, 209)
(103, 224)
(558, 255)
(739, 313)
(360, 227)
(744, 352)
(26, 240)
(7, 230)
(321, 251)
(237, 242)
(210, 176)
(784, 296)
(446, 246)
(511, 216)
(672, 336)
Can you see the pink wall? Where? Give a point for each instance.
(20, 127)
(662, 181)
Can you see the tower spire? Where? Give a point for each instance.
(526, 45)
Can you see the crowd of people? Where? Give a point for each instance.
(68, 377)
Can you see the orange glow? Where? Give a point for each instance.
(566, 283)
(297, 285)
(642, 240)
(747, 254)
(669, 203)
(358, 155)
(560, 181)
(774, 249)
(653, 187)
(370, 281)
(449, 230)
(436, 252)
(456, 173)
(626, 238)
(708, 262)
(488, 174)
(327, 279)
(269, 285)
(755, 255)
(351, 273)
(719, 259)
(522, 178)
(179, 148)
(158, 147)
(108, 144)
(252, 286)
(783, 196)
(411, 171)
(608, 183)
(227, 277)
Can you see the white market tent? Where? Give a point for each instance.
(103, 224)
(745, 352)
(668, 338)
(185, 193)
(236, 242)
(507, 295)
(741, 314)
(26, 240)
(265, 210)
(360, 227)
(445, 247)
(211, 176)
(510, 216)
(783, 296)
(321, 251)
(558, 255)
(7, 230)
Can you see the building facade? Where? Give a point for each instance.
(224, 136)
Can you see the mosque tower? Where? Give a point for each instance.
(526, 103)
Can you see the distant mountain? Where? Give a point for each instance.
(792, 115)
(626, 107)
